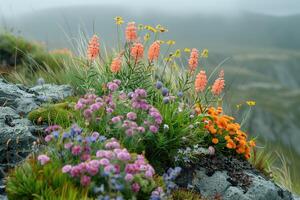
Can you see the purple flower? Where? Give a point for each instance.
(76, 150)
(68, 145)
(66, 168)
(87, 113)
(85, 180)
(135, 187)
(153, 129)
(164, 91)
(124, 155)
(117, 81)
(79, 106)
(104, 161)
(158, 85)
(112, 86)
(116, 119)
(128, 177)
(48, 138)
(95, 135)
(43, 159)
(131, 116)
(180, 94)
(166, 100)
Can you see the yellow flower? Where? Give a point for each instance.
(147, 37)
(187, 50)
(161, 41)
(238, 106)
(161, 28)
(204, 53)
(177, 53)
(168, 59)
(251, 103)
(150, 28)
(170, 42)
(118, 20)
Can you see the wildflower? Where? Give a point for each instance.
(251, 103)
(66, 168)
(146, 37)
(252, 143)
(150, 28)
(43, 159)
(131, 116)
(201, 81)
(76, 150)
(116, 119)
(140, 27)
(180, 94)
(48, 138)
(131, 34)
(204, 53)
(135, 187)
(154, 50)
(85, 180)
(215, 140)
(93, 48)
(137, 51)
(177, 53)
(170, 42)
(193, 61)
(104, 162)
(161, 28)
(128, 177)
(164, 91)
(118, 20)
(187, 50)
(115, 66)
(112, 86)
(166, 100)
(211, 150)
(153, 129)
(158, 84)
(218, 86)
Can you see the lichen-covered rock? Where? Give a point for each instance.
(53, 92)
(228, 178)
(20, 99)
(15, 137)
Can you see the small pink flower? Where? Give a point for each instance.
(104, 161)
(131, 116)
(48, 138)
(116, 119)
(124, 155)
(68, 145)
(43, 159)
(211, 150)
(109, 168)
(128, 177)
(135, 187)
(76, 150)
(112, 145)
(67, 168)
(85, 180)
(153, 129)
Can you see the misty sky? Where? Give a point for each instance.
(275, 7)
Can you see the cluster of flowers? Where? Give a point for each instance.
(169, 178)
(99, 163)
(165, 92)
(91, 106)
(190, 155)
(223, 128)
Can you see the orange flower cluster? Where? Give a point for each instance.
(154, 50)
(115, 66)
(130, 32)
(223, 128)
(201, 81)
(193, 61)
(137, 51)
(93, 48)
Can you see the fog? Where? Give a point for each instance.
(14, 8)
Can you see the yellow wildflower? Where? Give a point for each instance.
(187, 50)
(150, 28)
(118, 20)
(177, 53)
(161, 28)
(146, 37)
(204, 53)
(140, 26)
(250, 103)
(170, 42)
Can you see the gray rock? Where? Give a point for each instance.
(18, 98)
(2, 197)
(235, 193)
(53, 92)
(15, 137)
(211, 186)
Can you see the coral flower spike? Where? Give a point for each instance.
(93, 48)
(154, 50)
(201, 81)
(137, 51)
(115, 66)
(219, 84)
(130, 32)
(193, 61)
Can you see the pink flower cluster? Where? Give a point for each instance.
(52, 128)
(112, 161)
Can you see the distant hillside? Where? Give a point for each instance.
(248, 30)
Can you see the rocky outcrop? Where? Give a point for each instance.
(17, 133)
(231, 179)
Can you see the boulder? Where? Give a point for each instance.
(53, 92)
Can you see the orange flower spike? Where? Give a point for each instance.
(131, 32)
(115, 66)
(93, 48)
(137, 51)
(201, 81)
(215, 140)
(218, 86)
(154, 51)
(193, 61)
